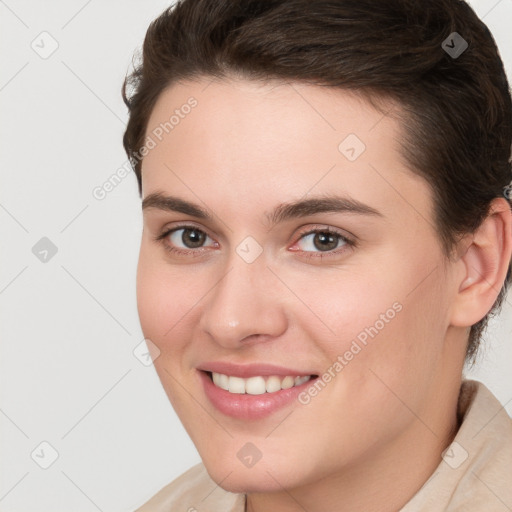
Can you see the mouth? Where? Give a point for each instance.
(257, 385)
(255, 397)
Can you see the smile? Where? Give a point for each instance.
(254, 397)
(257, 385)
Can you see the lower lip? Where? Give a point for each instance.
(250, 407)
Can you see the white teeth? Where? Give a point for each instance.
(236, 385)
(256, 385)
(223, 381)
(273, 384)
(288, 382)
(301, 380)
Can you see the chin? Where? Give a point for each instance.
(262, 477)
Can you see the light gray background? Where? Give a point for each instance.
(69, 326)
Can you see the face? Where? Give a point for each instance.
(285, 236)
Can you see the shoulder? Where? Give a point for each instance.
(194, 491)
(475, 473)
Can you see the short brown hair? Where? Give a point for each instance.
(458, 110)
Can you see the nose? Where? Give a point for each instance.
(244, 306)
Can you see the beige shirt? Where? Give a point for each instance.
(475, 474)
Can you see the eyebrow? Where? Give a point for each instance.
(283, 212)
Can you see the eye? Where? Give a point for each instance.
(323, 240)
(188, 237)
(185, 240)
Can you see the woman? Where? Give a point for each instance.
(327, 226)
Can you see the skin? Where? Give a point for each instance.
(386, 417)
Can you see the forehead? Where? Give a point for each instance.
(273, 112)
(277, 141)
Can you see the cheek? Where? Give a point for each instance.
(402, 347)
(388, 344)
(166, 297)
(341, 305)
(166, 303)
(390, 320)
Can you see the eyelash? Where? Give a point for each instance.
(308, 254)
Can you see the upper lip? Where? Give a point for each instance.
(251, 370)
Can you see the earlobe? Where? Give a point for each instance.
(485, 264)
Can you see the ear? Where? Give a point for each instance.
(484, 266)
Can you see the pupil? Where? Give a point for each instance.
(193, 238)
(325, 241)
